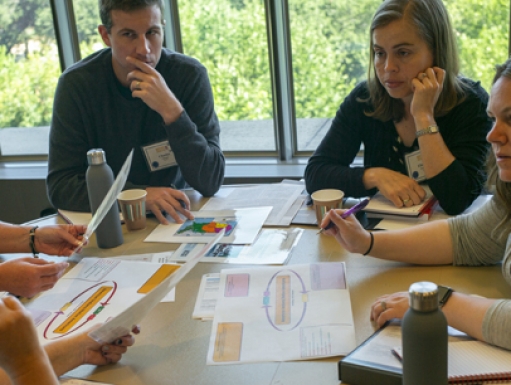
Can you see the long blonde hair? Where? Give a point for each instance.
(431, 20)
(502, 189)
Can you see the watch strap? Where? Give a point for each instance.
(428, 130)
(31, 241)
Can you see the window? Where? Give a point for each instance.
(87, 21)
(329, 47)
(29, 70)
(482, 30)
(330, 56)
(229, 38)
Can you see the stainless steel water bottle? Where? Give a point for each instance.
(99, 177)
(424, 330)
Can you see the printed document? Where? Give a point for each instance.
(114, 292)
(206, 297)
(281, 196)
(241, 226)
(284, 313)
(272, 247)
(95, 290)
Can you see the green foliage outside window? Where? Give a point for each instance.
(329, 47)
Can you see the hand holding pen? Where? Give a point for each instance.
(355, 209)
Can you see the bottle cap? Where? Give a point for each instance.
(96, 156)
(423, 296)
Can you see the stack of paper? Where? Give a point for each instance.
(282, 197)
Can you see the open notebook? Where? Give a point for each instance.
(469, 361)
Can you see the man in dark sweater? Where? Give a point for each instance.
(136, 94)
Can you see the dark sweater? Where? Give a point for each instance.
(463, 129)
(93, 110)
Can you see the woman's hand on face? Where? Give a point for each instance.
(427, 87)
(396, 187)
(389, 306)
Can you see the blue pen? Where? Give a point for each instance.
(355, 209)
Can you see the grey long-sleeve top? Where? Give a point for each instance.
(93, 110)
(474, 245)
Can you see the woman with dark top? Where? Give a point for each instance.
(418, 119)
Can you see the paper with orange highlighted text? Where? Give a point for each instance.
(294, 312)
(114, 292)
(129, 318)
(95, 290)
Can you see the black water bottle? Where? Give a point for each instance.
(99, 179)
(424, 329)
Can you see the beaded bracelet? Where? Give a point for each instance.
(32, 241)
(371, 244)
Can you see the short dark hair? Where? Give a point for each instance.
(433, 25)
(106, 6)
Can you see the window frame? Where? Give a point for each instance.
(281, 76)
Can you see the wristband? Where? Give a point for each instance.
(370, 245)
(32, 241)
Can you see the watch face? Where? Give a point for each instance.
(444, 293)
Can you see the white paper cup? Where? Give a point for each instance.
(326, 200)
(132, 204)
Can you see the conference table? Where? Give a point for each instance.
(172, 346)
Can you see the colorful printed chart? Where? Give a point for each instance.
(241, 227)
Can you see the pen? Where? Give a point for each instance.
(355, 209)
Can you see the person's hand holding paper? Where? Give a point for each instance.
(124, 322)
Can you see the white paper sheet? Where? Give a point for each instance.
(206, 297)
(306, 215)
(131, 316)
(78, 381)
(241, 227)
(280, 196)
(79, 218)
(295, 312)
(95, 290)
(163, 257)
(272, 247)
(110, 197)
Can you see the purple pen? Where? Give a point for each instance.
(355, 209)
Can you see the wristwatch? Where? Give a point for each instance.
(428, 130)
(444, 292)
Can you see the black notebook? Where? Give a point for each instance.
(470, 361)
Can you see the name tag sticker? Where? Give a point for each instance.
(159, 156)
(415, 166)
